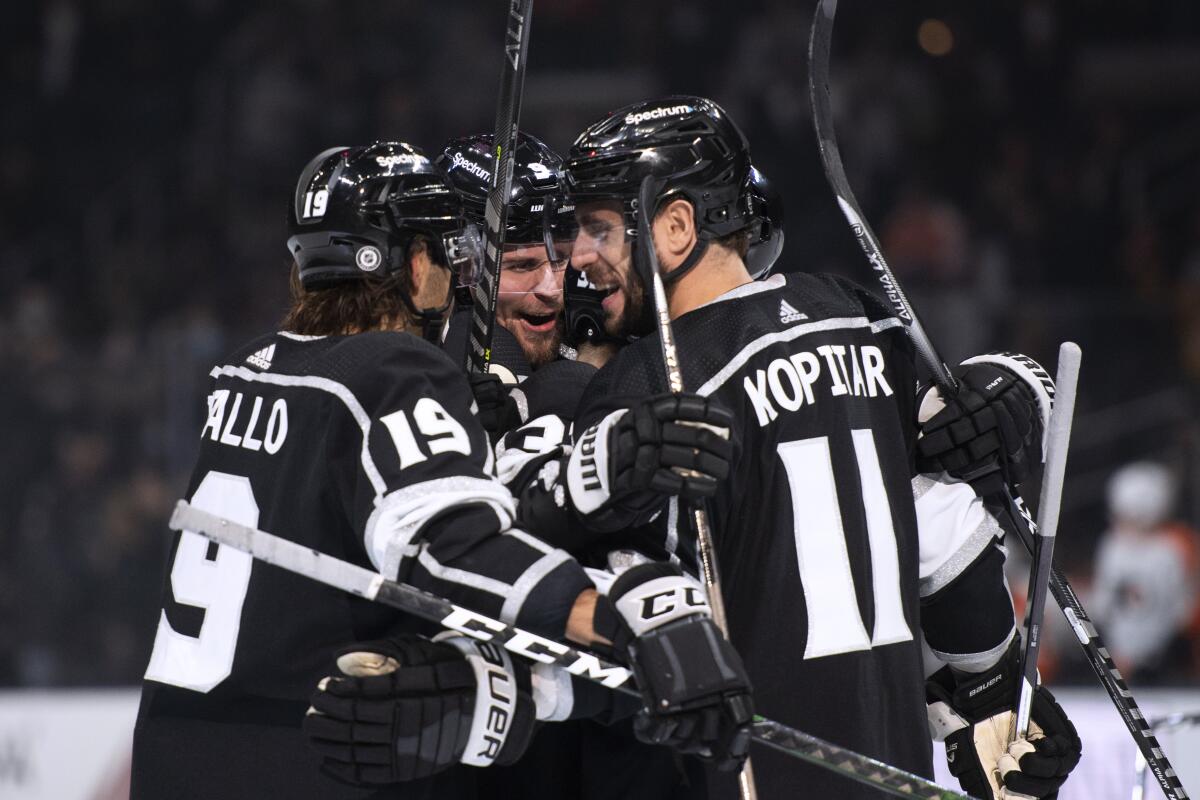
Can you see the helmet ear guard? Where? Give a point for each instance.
(357, 212)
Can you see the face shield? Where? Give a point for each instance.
(464, 254)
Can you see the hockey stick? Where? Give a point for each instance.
(647, 202)
(1101, 663)
(356, 580)
(1058, 439)
(508, 111)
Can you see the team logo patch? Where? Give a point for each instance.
(368, 258)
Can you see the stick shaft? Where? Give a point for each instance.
(364, 583)
(1058, 437)
(647, 198)
(508, 113)
(1097, 655)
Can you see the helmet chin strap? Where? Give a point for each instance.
(431, 320)
(689, 263)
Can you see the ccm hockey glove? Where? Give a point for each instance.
(623, 468)
(991, 432)
(973, 713)
(405, 708)
(694, 687)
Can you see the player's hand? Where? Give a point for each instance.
(991, 432)
(625, 467)
(973, 713)
(498, 412)
(695, 691)
(405, 708)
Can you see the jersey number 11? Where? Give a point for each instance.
(835, 624)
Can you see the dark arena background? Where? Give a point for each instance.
(1031, 169)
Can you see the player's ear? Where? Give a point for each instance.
(674, 232)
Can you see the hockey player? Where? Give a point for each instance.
(838, 561)
(349, 432)
(537, 241)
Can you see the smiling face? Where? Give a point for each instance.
(605, 254)
(530, 301)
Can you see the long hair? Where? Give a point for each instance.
(354, 305)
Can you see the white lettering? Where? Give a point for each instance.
(248, 440)
(467, 165)
(590, 666)
(872, 358)
(226, 436)
(808, 367)
(828, 351)
(216, 413)
(657, 113)
(277, 427)
(791, 399)
(757, 392)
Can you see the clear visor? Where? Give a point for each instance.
(534, 267)
(464, 251)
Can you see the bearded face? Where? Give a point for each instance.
(530, 300)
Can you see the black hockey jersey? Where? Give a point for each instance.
(363, 447)
(816, 529)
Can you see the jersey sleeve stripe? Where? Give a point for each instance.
(325, 385)
(529, 579)
(461, 576)
(399, 516)
(954, 529)
(795, 332)
(975, 662)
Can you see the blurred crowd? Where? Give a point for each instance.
(1030, 167)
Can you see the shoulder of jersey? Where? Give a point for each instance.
(788, 299)
(345, 359)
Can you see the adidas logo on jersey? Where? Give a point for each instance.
(262, 359)
(789, 314)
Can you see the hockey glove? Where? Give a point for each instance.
(694, 688)
(973, 713)
(991, 432)
(498, 412)
(406, 708)
(624, 468)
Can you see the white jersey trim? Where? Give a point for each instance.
(299, 337)
(746, 289)
(529, 579)
(399, 516)
(795, 332)
(953, 528)
(338, 390)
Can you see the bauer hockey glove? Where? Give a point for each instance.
(695, 690)
(406, 708)
(991, 432)
(973, 713)
(623, 468)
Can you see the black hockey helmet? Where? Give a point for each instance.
(688, 145)
(536, 211)
(356, 211)
(766, 237)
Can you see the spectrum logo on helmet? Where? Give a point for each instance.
(403, 158)
(470, 166)
(657, 113)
